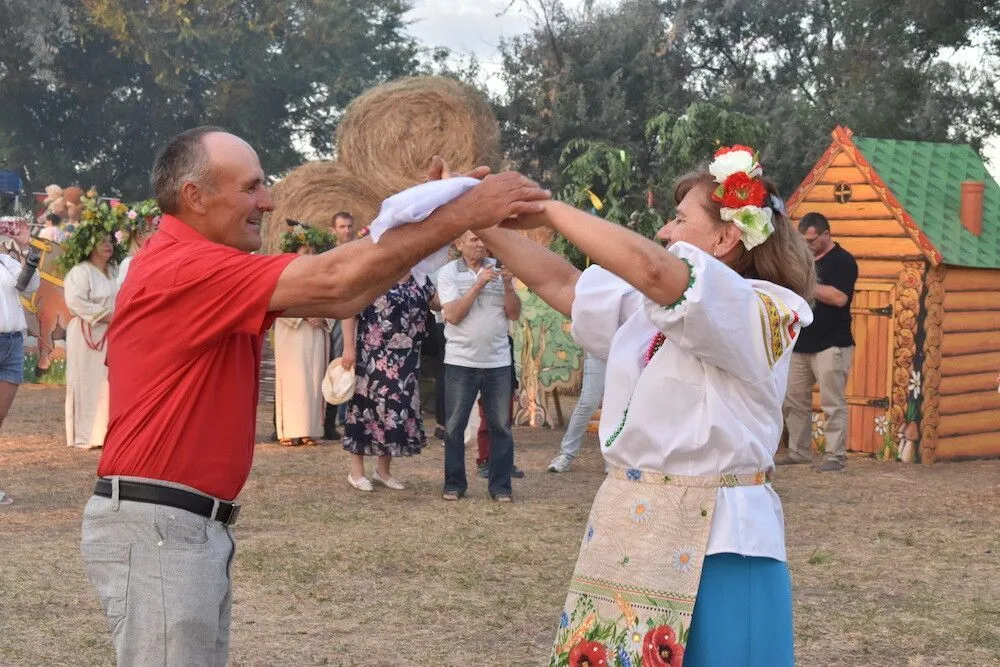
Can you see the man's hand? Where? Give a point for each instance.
(484, 277)
(439, 170)
(508, 277)
(500, 197)
(316, 321)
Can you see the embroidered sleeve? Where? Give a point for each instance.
(724, 321)
(602, 303)
(779, 326)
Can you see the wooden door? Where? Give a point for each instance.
(869, 383)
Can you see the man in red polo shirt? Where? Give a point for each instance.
(183, 364)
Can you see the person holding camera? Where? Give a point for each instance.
(16, 278)
(477, 299)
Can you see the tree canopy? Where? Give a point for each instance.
(795, 68)
(89, 89)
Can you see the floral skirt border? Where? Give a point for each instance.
(633, 590)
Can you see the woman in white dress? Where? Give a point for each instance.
(683, 557)
(301, 354)
(89, 288)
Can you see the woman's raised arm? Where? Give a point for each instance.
(641, 262)
(545, 273)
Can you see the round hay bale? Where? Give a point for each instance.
(390, 133)
(312, 193)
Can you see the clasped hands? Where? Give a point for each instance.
(508, 199)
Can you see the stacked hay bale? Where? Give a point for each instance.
(384, 144)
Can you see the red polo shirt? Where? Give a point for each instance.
(184, 361)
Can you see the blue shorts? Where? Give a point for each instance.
(743, 615)
(12, 357)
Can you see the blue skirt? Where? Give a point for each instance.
(743, 614)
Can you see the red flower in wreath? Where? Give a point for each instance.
(588, 654)
(660, 648)
(735, 147)
(740, 190)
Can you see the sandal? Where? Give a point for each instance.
(288, 442)
(451, 495)
(308, 442)
(503, 499)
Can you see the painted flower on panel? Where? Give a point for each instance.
(817, 425)
(881, 424)
(914, 385)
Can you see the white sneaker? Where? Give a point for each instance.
(390, 481)
(363, 484)
(560, 463)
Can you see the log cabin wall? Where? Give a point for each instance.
(966, 421)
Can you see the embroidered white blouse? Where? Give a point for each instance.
(709, 401)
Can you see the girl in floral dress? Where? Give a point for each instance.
(683, 556)
(383, 416)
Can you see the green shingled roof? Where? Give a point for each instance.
(926, 178)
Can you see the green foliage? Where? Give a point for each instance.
(98, 219)
(796, 67)
(89, 90)
(603, 179)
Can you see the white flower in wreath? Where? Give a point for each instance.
(817, 425)
(882, 425)
(727, 164)
(641, 511)
(914, 384)
(684, 559)
(755, 223)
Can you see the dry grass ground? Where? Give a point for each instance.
(892, 564)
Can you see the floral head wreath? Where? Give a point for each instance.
(141, 217)
(742, 194)
(98, 220)
(300, 234)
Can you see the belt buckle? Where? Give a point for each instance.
(233, 514)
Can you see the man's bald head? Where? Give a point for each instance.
(184, 159)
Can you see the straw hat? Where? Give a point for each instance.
(338, 383)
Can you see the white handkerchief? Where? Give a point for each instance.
(415, 204)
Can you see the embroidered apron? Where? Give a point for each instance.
(633, 591)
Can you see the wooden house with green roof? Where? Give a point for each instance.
(923, 221)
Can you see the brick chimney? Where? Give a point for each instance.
(971, 207)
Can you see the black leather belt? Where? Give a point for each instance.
(141, 492)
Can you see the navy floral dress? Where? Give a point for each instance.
(383, 417)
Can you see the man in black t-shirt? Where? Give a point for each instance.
(823, 351)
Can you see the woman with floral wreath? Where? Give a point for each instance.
(301, 353)
(683, 557)
(140, 223)
(91, 256)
